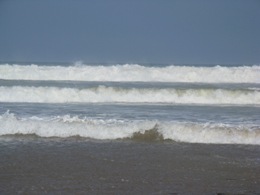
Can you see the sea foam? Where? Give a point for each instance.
(132, 72)
(129, 95)
(68, 126)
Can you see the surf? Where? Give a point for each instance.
(103, 94)
(141, 130)
(132, 73)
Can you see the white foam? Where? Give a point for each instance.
(131, 72)
(66, 126)
(132, 95)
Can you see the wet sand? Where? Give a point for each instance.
(74, 166)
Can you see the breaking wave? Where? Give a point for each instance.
(68, 126)
(132, 95)
(131, 72)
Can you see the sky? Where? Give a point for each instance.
(131, 31)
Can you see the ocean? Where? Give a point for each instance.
(206, 117)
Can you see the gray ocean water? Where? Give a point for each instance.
(192, 104)
(47, 109)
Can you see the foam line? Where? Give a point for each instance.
(67, 126)
(132, 72)
(131, 95)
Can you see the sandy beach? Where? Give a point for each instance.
(76, 166)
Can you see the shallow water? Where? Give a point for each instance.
(184, 123)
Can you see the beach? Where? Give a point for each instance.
(75, 166)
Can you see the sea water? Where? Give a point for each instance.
(181, 103)
(129, 129)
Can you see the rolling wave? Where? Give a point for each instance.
(67, 126)
(129, 95)
(131, 72)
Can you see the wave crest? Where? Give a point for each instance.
(133, 72)
(133, 95)
(66, 126)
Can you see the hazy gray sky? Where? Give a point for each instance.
(131, 31)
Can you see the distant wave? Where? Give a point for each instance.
(68, 126)
(131, 72)
(131, 95)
